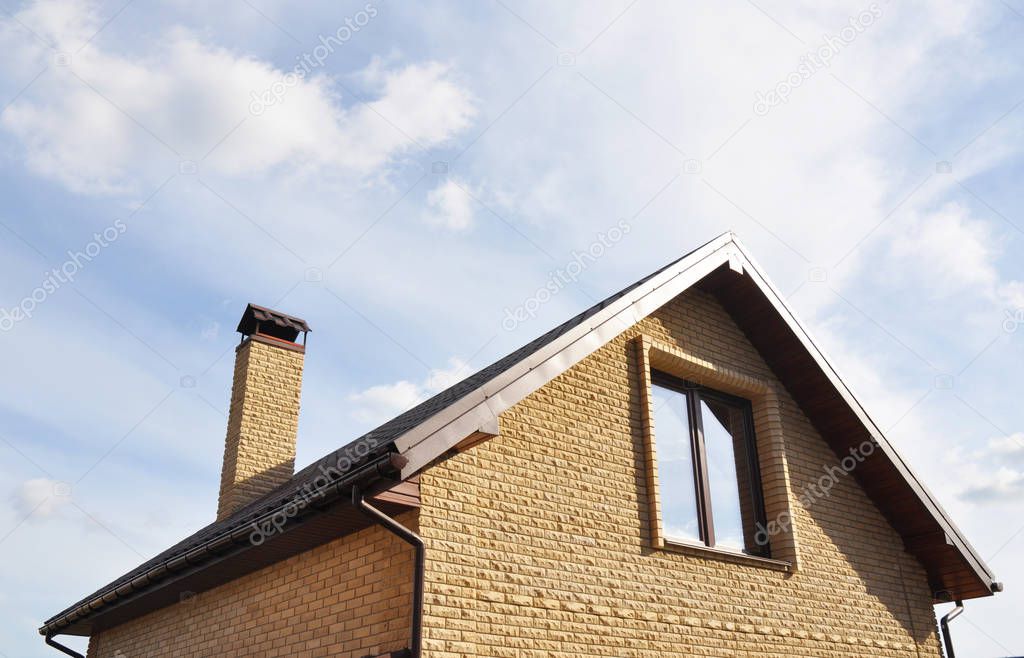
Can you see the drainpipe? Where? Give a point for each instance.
(413, 539)
(60, 647)
(944, 623)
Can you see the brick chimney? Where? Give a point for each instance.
(259, 452)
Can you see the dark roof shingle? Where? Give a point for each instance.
(354, 453)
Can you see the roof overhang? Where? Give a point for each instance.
(179, 588)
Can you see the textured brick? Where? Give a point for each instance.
(263, 419)
(540, 543)
(319, 603)
(557, 509)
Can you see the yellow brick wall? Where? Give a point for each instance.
(349, 598)
(539, 544)
(259, 450)
(539, 540)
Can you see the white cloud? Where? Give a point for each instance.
(949, 249)
(385, 400)
(1002, 485)
(66, 24)
(446, 377)
(111, 118)
(210, 331)
(449, 206)
(41, 497)
(949, 252)
(996, 472)
(422, 100)
(1008, 448)
(380, 403)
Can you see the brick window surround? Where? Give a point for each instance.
(771, 453)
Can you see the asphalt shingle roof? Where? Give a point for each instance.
(382, 437)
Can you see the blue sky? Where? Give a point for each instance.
(164, 157)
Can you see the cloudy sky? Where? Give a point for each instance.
(406, 176)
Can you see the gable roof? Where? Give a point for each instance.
(429, 430)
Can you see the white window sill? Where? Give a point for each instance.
(725, 555)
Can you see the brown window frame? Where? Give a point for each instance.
(693, 393)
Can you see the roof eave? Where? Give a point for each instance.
(231, 542)
(939, 514)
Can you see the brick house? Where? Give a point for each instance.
(675, 471)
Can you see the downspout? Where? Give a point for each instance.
(413, 539)
(60, 647)
(944, 623)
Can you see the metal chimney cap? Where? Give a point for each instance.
(259, 319)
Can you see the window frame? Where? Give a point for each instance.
(693, 393)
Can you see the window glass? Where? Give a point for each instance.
(725, 445)
(708, 478)
(675, 464)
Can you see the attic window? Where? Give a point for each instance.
(710, 486)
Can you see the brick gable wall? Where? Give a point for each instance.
(539, 540)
